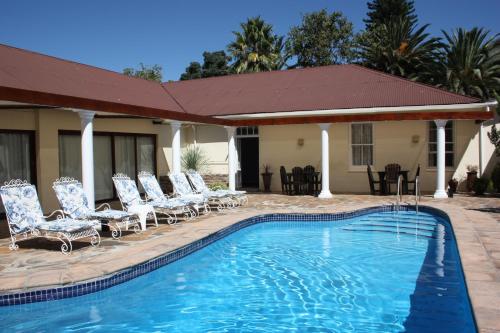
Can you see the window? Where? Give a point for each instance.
(113, 153)
(17, 157)
(449, 145)
(247, 131)
(362, 144)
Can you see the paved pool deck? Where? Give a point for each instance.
(476, 223)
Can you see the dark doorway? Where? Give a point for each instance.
(249, 162)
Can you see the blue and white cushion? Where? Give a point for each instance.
(127, 191)
(22, 207)
(67, 225)
(151, 186)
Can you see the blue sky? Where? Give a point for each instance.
(117, 34)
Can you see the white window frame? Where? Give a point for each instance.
(360, 168)
(454, 142)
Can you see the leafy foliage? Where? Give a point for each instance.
(194, 158)
(386, 11)
(193, 71)
(256, 48)
(217, 186)
(400, 48)
(321, 39)
(152, 73)
(214, 64)
(472, 63)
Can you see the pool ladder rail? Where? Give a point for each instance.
(399, 193)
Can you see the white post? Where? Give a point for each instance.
(176, 147)
(87, 118)
(231, 157)
(441, 162)
(325, 162)
(481, 163)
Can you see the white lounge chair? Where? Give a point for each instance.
(201, 187)
(26, 219)
(130, 199)
(183, 189)
(74, 204)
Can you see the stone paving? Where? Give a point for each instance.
(476, 223)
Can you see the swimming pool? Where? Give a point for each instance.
(379, 272)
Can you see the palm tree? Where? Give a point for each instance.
(256, 48)
(472, 63)
(398, 47)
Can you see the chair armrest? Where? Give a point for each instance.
(58, 213)
(106, 205)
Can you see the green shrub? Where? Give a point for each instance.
(480, 185)
(495, 177)
(194, 159)
(217, 186)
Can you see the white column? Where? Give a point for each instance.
(176, 146)
(441, 164)
(325, 162)
(481, 148)
(87, 118)
(231, 157)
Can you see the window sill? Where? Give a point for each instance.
(354, 168)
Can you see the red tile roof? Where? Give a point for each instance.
(319, 88)
(26, 70)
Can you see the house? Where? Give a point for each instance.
(61, 118)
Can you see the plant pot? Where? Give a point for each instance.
(266, 178)
(480, 186)
(453, 184)
(471, 177)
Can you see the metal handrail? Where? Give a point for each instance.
(417, 193)
(399, 195)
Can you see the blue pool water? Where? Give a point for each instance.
(381, 272)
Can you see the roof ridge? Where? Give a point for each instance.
(174, 98)
(76, 62)
(426, 85)
(254, 73)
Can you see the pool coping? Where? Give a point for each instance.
(477, 267)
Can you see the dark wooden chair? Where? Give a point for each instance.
(373, 182)
(298, 180)
(392, 172)
(286, 182)
(412, 191)
(309, 179)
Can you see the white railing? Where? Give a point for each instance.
(399, 194)
(417, 193)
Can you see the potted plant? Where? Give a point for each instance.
(471, 176)
(453, 184)
(480, 185)
(266, 177)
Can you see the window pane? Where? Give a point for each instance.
(449, 147)
(125, 155)
(15, 158)
(145, 151)
(103, 167)
(368, 155)
(449, 159)
(432, 159)
(432, 147)
(70, 156)
(357, 155)
(256, 130)
(356, 133)
(367, 133)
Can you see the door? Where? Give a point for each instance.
(249, 162)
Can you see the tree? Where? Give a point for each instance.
(321, 39)
(215, 64)
(472, 63)
(385, 11)
(152, 73)
(193, 71)
(400, 48)
(256, 48)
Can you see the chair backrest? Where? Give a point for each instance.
(418, 172)
(150, 185)
(371, 180)
(297, 174)
(126, 189)
(71, 197)
(284, 179)
(180, 184)
(309, 169)
(392, 171)
(197, 181)
(22, 207)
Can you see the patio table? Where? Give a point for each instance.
(383, 184)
